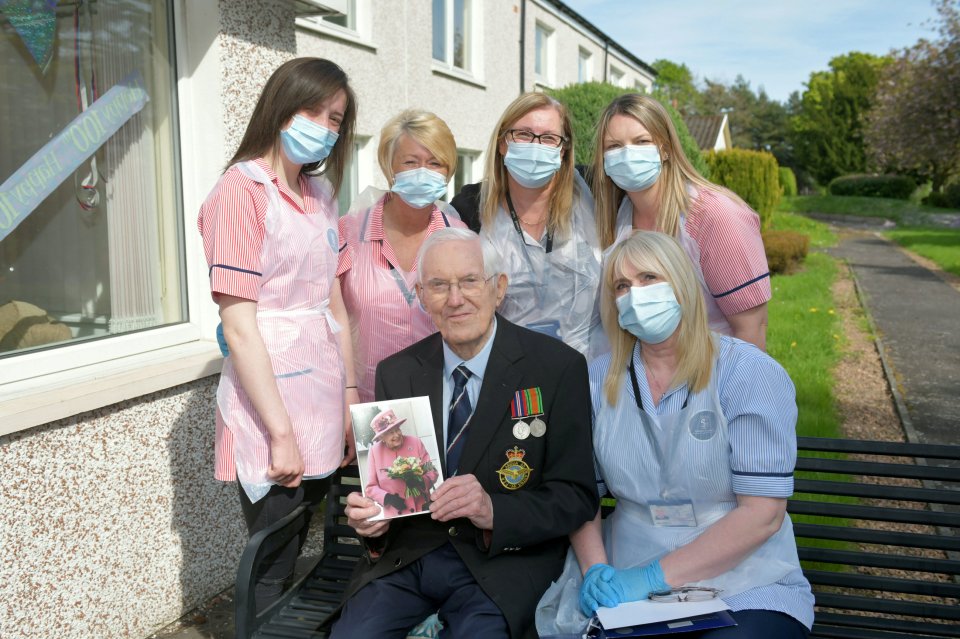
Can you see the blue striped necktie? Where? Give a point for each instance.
(459, 418)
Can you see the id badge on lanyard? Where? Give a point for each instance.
(672, 512)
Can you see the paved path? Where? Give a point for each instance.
(917, 316)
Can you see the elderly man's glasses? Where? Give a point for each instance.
(692, 593)
(526, 137)
(470, 286)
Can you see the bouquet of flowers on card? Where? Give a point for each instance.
(411, 471)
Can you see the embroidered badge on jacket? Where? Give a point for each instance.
(515, 472)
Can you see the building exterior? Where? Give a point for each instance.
(117, 118)
(712, 132)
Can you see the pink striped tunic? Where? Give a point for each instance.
(380, 298)
(732, 258)
(260, 245)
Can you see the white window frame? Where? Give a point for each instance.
(617, 81)
(547, 53)
(584, 65)
(473, 70)
(471, 174)
(47, 385)
(361, 14)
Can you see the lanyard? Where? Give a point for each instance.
(408, 295)
(636, 387)
(516, 225)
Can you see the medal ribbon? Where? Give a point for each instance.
(526, 403)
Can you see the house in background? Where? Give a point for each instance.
(712, 132)
(117, 118)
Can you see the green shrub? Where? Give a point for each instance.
(785, 250)
(898, 187)
(949, 198)
(752, 175)
(587, 100)
(788, 181)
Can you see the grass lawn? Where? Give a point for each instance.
(820, 234)
(940, 245)
(900, 211)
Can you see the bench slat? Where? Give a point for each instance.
(877, 469)
(878, 560)
(868, 536)
(873, 513)
(924, 611)
(887, 584)
(876, 491)
(867, 447)
(909, 627)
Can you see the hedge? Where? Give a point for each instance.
(587, 100)
(788, 181)
(785, 250)
(948, 199)
(752, 175)
(893, 186)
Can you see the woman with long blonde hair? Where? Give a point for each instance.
(642, 180)
(694, 435)
(538, 213)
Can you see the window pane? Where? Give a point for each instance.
(350, 187)
(439, 30)
(347, 20)
(464, 171)
(461, 34)
(90, 236)
(540, 43)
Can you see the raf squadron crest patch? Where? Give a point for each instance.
(515, 472)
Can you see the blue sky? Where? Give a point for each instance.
(772, 43)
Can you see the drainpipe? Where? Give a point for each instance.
(606, 59)
(523, 44)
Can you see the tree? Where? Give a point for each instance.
(675, 86)
(827, 130)
(914, 127)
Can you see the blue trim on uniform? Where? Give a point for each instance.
(745, 284)
(342, 247)
(294, 374)
(234, 268)
(746, 474)
(446, 222)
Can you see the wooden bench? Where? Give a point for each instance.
(879, 538)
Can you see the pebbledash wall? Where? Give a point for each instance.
(111, 524)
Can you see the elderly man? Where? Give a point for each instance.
(513, 407)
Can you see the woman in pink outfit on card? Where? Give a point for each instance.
(397, 496)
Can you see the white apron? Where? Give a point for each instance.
(298, 263)
(399, 320)
(679, 458)
(555, 292)
(718, 321)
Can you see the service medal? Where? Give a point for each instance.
(538, 427)
(515, 472)
(521, 430)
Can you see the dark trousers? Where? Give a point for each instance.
(390, 606)
(756, 624)
(276, 570)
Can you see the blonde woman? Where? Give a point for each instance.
(642, 180)
(693, 434)
(538, 213)
(379, 242)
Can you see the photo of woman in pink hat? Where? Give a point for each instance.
(400, 474)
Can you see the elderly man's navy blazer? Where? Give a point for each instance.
(530, 523)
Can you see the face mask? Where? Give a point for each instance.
(633, 168)
(651, 313)
(306, 142)
(531, 164)
(419, 187)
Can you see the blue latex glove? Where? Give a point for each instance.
(636, 584)
(222, 341)
(595, 591)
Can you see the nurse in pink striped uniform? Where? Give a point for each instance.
(379, 242)
(642, 180)
(270, 236)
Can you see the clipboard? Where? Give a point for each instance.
(719, 619)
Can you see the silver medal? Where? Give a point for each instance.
(538, 427)
(521, 430)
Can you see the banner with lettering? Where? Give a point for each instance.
(23, 191)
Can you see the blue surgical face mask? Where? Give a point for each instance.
(306, 142)
(633, 168)
(651, 313)
(419, 187)
(531, 164)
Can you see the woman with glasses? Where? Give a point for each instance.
(694, 435)
(538, 213)
(380, 240)
(642, 180)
